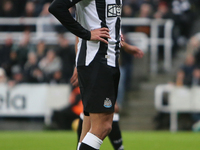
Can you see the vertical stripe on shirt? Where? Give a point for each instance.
(117, 36)
(101, 11)
(82, 54)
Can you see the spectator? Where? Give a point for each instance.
(193, 44)
(67, 54)
(41, 50)
(11, 62)
(7, 9)
(163, 11)
(196, 77)
(2, 76)
(39, 5)
(29, 9)
(127, 11)
(183, 17)
(50, 64)
(17, 75)
(57, 78)
(38, 76)
(29, 12)
(193, 48)
(23, 48)
(5, 52)
(145, 12)
(185, 74)
(197, 58)
(45, 14)
(31, 70)
(134, 5)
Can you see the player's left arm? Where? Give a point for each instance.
(133, 50)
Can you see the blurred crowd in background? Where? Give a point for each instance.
(41, 63)
(26, 62)
(183, 12)
(189, 73)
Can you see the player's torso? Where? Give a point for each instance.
(94, 14)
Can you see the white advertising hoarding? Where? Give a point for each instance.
(32, 99)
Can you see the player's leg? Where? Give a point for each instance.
(98, 83)
(85, 128)
(101, 125)
(115, 135)
(79, 129)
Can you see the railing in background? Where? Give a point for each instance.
(180, 99)
(50, 37)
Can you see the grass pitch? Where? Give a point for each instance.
(24, 140)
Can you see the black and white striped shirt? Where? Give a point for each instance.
(94, 14)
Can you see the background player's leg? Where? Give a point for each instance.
(79, 129)
(115, 136)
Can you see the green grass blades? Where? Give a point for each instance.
(161, 141)
(62, 140)
(37, 140)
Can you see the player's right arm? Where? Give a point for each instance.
(60, 9)
(74, 78)
(133, 50)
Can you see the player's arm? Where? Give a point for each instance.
(60, 9)
(134, 50)
(74, 78)
(76, 44)
(180, 78)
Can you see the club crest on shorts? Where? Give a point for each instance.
(107, 103)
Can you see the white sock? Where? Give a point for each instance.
(92, 140)
(121, 147)
(79, 144)
(116, 117)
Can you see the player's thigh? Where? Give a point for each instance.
(101, 120)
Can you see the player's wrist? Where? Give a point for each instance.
(89, 35)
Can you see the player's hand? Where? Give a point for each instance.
(133, 50)
(122, 40)
(100, 34)
(136, 52)
(74, 78)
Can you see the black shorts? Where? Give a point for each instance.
(99, 87)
